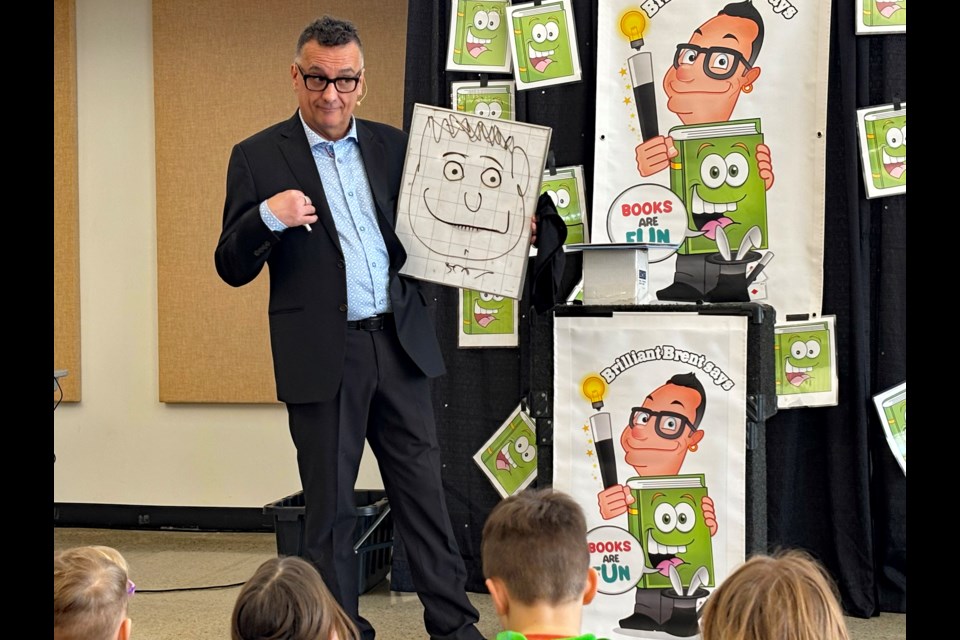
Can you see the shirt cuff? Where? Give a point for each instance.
(272, 222)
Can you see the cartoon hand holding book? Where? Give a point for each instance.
(656, 440)
(654, 155)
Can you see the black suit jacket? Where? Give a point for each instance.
(308, 290)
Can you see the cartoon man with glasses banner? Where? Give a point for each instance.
(656, 440)
(709, 73)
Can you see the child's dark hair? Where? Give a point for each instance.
(287, 598)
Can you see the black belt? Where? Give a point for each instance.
(373, 323)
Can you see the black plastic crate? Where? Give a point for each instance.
(373, 536)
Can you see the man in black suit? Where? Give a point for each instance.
(353, 345)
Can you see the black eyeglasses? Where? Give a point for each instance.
(718, 62)
(667, 424)
(319, 83)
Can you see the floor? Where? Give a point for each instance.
(187, 583)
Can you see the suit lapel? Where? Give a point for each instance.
(296, 150)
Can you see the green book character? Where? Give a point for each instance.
(802, 358)
(883, 13)
(509, 458)
(886, 133)
(716, 176)
(542, 41)
(488, 102)
(485, 313)
(479, 35)
(895, 410)
(667, 519)
(565, 188)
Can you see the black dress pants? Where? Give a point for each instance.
(383, 398)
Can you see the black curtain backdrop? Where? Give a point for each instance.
(833, 487)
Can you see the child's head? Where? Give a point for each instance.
(535, 544)
(788, 595)
(286, 598)
(91, 587)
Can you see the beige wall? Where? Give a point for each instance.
(120, 445)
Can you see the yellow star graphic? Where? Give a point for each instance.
(633, 115)
(589, 453)
(586, 428)
(623, 71)
(626, 100)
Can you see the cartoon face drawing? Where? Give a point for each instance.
(543, 45)
(882, 13)
(512, 457)
(485, 313)
(723, 189)
(713, 68)
(663, 429)
(887, 146)
(487, 105)
(669, 522)
(803, 360)
(471, 181)
(672, 531)
(566, 197)
(483, 41)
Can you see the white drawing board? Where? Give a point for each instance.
(470, 189)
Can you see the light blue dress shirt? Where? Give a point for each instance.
(348, 194)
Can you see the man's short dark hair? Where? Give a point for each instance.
(536, 543)
(746, 10)
(690, 381)
(329, 32)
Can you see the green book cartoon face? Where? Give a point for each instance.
(484, 313)
(511, 458)
(895, 409)
(883, 13)
(668, 521)
(886, 133)
(565, 193)
(487, 103)
(716, 175)
(542, 42)
(481, 33)
(803, 359)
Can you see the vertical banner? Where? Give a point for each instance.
(649, 438)
(711, 140)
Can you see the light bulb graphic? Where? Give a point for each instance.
(632, 24)
(594, 388)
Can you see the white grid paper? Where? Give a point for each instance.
(470, 189)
